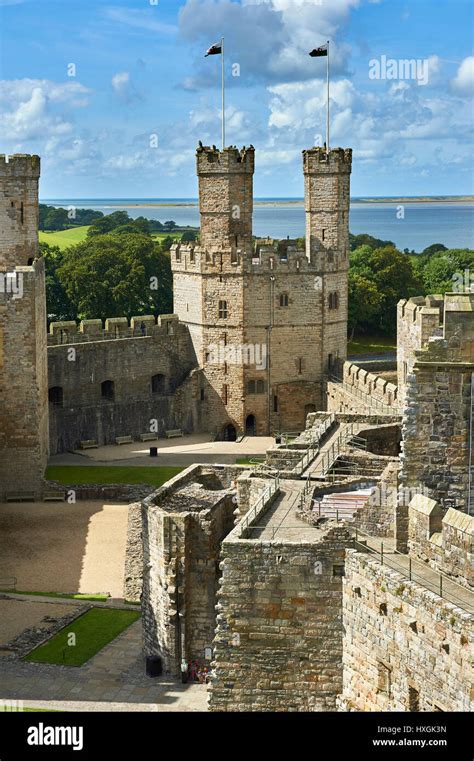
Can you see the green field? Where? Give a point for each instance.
(110, 474)
(93, 631)
(65, 238)
(371, 345)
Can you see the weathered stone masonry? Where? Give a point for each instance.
(23, 365)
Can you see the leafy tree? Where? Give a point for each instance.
(188, 236)
(166, 243)
(392, 275)
(108, 223)
(58, 304)
(170, 225)
(363, 239)
(448, 270)
(433, 249)
(117, 275)
(365, 302)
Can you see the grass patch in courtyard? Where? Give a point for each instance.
(253, 461)
(62, 595)
(371, 345)
(92, 632)
(69, 475)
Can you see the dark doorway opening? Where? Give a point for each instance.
(230, 434)
(251, 426)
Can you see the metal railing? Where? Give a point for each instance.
(330, 456)
(314, 445)
(251, 515)
(440, 583)
(370, 401)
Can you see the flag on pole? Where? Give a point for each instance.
(317, 52)
(218, 49)
(214, 49)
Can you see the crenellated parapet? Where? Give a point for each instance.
(317, 160)
(19, 165)
(69, 332)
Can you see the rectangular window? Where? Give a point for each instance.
(338, 570)
(275, 404)
(260, 387)
(300, 365)
(384, 683)
(251, 387)
(222, 310)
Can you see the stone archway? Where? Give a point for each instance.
(229, 433)
(250, 426)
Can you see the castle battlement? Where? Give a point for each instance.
(69, 332)
(232, 159)
(19, 165)
(317, 160)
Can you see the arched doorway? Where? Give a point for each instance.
(230, 434)
(250, 426)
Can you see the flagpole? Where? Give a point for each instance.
(327, 111)
(223, 96)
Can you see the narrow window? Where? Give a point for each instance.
(158, 384)
(202, 395)
(384, 682)
(222, 310)
(323, 234)
(283, 299)
(55, 396)
(108, 390)
(275, 404)
(300, 365)
(330, 361)
(260, 387)
(251, 387)
(191, 255)
(22, 213)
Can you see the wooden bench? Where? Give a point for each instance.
(123, 440)
(20, 497)
(148, 437)
(89, 444)
(54, 496)
(174, 434)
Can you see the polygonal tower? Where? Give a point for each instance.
(23, 349)
(267, 318)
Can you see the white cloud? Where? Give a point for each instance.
(28, 108)
(463, 83)
(124, 88)
(270, 39)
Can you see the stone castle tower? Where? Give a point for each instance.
(267, 319)
(23, 356)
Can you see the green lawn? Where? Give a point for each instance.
(371, 345)
(254, 461)
(78, 596)
(64, 238)
(93, 631)
(68, 475)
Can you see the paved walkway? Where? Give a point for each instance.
(280, 523)
(421, 573)
(186, 450)
(114, 680)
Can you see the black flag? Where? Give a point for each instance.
(214, 49)
(323, 50)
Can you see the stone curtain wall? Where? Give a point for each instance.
(89, 357)
(416, 643)
(346, 397)
(278, 644)
(435, 430)
(444, 540)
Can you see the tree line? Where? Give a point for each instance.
(121, 270)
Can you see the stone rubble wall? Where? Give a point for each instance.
(398, 635)
(278, 644)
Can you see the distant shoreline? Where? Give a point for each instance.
(459, 200)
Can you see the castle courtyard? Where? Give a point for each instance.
(89, 558)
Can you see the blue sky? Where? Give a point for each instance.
(139, 71)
